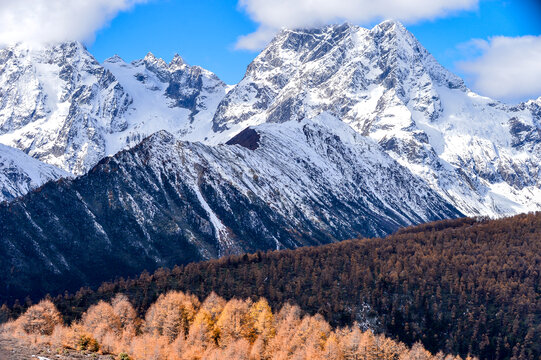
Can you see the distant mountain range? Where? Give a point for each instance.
(333, 133)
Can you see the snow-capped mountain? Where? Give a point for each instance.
(166, 202)
(479, 154)
(333, 133)
(175, 97)
(62, 107)
(58, 103)
(20, 173)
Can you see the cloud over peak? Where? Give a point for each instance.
(509, 68)
(272, 15)
(45, 21)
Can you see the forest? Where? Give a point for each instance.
(179, 327)
(465, 286)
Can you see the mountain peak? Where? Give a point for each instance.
(159, 137)
(394, 29)
(152, 60)
(392, 24)
(302, 39)
(177, 62)
(37, 47)
(162, 135)
(309, 32)
(150, 57)
(28, 172)
(114, 59)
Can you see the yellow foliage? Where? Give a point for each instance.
(171, 315)
(204, 331)
(312, 332)
(332, 350)
(235, 322)
(214, 304)
(178, 327)
(65, 337)
(126, 314)
(417, 352)
(287, 320)
(262, 318)
(40, 319)
(100, 319)
(149, 347)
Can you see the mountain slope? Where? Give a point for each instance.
(481, 155)
(166, 202)
(62, 107)
(333, 133)
(20, 173)
(58, 104)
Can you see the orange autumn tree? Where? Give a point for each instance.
(40, 319)
(126, 314)
(171, 315)
(204, 331)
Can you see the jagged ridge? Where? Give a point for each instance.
(166, 202)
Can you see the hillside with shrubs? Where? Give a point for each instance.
(180, 327)
(465, 286)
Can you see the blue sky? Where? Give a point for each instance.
(204, 32)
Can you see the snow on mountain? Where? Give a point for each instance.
(333, 133)
(166, 202)
(58, 103)
(62, 107)
(479, 154)
(20, 173)
(175, 97)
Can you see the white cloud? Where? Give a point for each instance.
(42, 21)
(508, 69)
(272, 15)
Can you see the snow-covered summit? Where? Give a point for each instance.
(177, 63)
(175, 96)
(479, 154)
(62, 107)
(58, 104)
